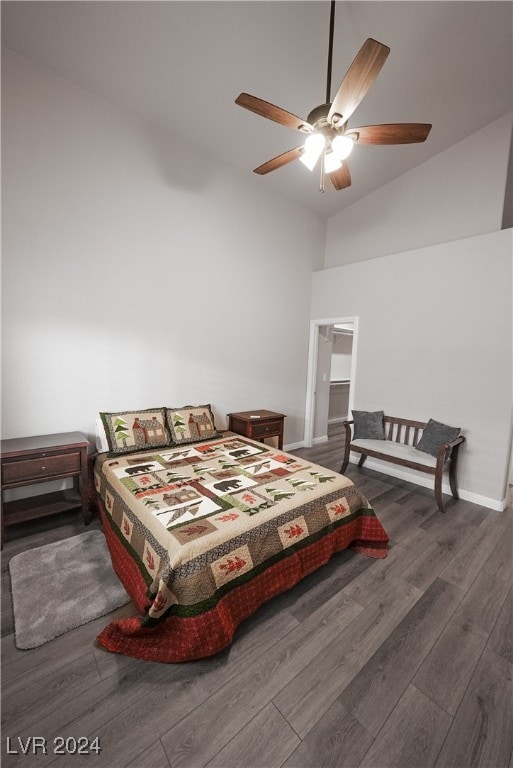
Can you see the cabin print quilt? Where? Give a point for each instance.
(202, 522)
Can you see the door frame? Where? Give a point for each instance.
(312, 370)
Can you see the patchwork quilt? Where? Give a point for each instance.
(202, 534)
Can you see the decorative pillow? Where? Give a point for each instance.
(435, 435)
(129, 431)
(368, 425)
(191, 424)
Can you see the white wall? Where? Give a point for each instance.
(458, 193)
(435, 341)
(137, 273)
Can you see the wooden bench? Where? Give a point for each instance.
(401, 437)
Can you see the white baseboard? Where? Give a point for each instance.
(497, 505)
(427, 482)
(294, 446)
(302, 444)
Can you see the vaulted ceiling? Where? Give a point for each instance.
(180, 65)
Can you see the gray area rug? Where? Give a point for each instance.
(61, 586)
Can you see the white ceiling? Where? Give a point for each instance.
(182, 64)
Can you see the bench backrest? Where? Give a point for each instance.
(403, 430)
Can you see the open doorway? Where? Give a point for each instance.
(331, 373)
(340, 372)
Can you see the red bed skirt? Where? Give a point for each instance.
(179, 638)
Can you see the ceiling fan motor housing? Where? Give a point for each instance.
(319, 114)
(318, 117)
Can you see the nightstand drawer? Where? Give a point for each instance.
(266, 428)
(43, 466)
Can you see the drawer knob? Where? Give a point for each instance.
(43, 467)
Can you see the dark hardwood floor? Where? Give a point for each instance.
(403, 662)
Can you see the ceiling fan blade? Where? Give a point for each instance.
(341, 178)
(392, 133)
(277, 162)
(358, 79)
(272, 112)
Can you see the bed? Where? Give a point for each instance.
(203, 533)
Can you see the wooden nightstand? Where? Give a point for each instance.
(30, 460)
(258, 425)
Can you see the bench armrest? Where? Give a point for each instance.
(348, 433)
(445, 451)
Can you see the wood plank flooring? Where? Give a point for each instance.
(405, 662)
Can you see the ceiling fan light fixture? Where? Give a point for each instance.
(313, 148)
(331, 162)
(342, 146)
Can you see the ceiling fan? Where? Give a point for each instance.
(329, 136)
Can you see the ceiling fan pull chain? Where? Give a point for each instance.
(322, 185)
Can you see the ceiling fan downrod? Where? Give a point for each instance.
(324, 109)
(330, 52)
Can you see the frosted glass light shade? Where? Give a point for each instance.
(331, 162)
(314, 145)
(342, 146)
